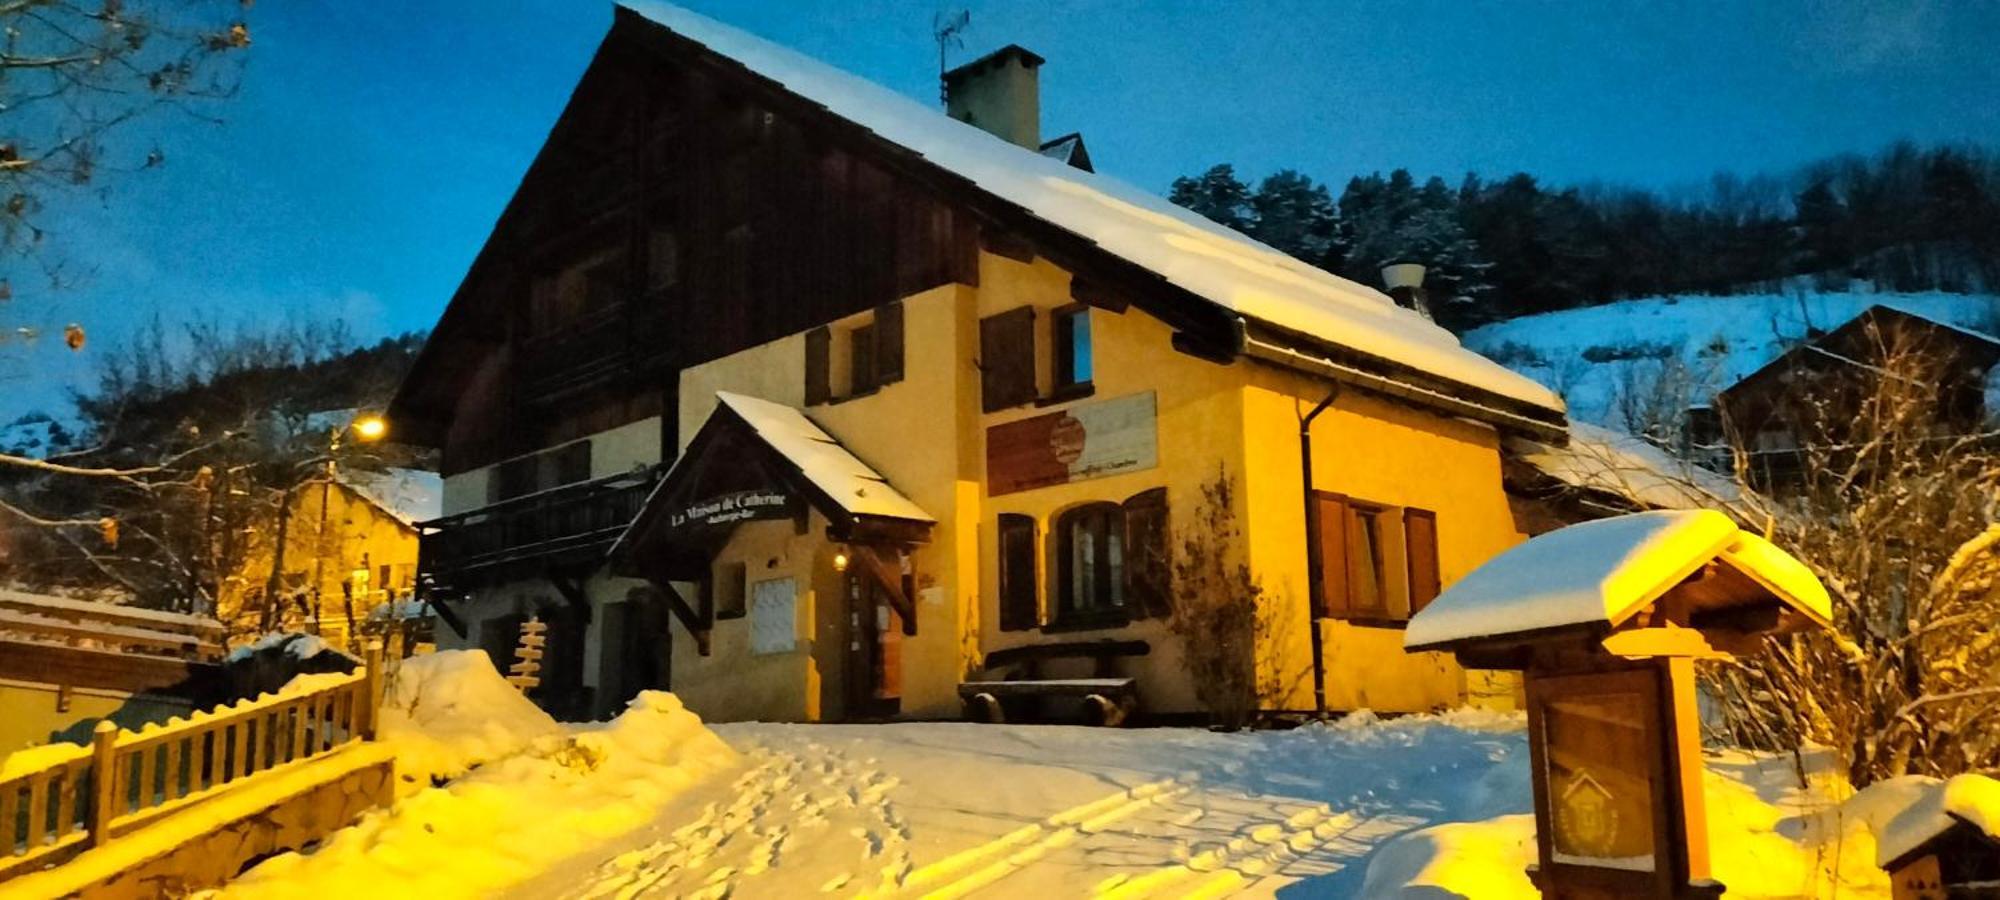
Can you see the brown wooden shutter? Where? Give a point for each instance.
(1007, 358)
(1332, 511)
(1420, 540)
(889, 343)
(819, 362)
(1018, 609)
(1148, 554)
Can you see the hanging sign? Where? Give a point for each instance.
(1090, 441)
(726, 509)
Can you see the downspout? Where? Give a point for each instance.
(1315, 579)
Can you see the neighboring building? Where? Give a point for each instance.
(1811, 392)
(350, 547)
(67, 663)
(780, 389)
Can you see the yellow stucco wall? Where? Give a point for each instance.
(926, 434)
(33, 713)
(1383, 452)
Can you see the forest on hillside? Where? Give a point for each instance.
(1907, 218)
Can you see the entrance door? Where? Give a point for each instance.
(874, 657)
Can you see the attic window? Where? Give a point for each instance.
(576, 291)
(856, 357)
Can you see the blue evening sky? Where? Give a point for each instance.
(373, 143)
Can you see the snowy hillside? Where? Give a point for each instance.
(1588, 354)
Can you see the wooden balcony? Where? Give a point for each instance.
(566, 527)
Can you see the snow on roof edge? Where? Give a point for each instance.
(1223, 266)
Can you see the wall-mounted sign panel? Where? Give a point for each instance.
(1095, 440)
(740, 506)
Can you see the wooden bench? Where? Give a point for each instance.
(1108, 696)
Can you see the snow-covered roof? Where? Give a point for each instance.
(1604, 571)
(1216, 263)
(847, 481)
(411, 495)
(1613, 462)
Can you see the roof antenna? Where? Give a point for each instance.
(948, 28)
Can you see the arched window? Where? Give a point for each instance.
(1090, 562)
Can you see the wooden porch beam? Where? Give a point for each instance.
(889, 578)
(682, 611)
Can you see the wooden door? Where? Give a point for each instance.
(874, 651)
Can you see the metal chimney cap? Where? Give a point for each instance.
(1403, 275)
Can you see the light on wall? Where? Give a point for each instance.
(840, 561)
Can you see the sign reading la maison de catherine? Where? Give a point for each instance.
(1094, 440)
(730, 508)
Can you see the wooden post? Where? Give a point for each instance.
(371, 705)
(104, 788)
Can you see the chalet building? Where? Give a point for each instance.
(1812, 392)
(809, 402)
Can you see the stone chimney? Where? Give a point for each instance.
(1405, 282)
(1000, 93)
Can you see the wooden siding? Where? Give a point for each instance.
(779, 222)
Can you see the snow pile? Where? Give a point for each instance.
(450, 711)
(541, 795)
(1586, 354)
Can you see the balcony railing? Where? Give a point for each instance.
(569, 525)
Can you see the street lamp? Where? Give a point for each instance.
(370, 427)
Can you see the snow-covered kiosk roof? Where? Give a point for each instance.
(1599, 575)
(1258, 284)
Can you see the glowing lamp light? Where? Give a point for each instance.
(840, 561)
(370, 428)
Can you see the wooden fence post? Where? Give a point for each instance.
(372, 683)
(104, 782)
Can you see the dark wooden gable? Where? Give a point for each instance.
(709, 219)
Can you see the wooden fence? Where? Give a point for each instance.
(125, 779)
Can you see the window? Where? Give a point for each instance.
(1007, 359)
(1090, 562)
(1018, 607)
(567, 464)
(728, 587)
(525, 475)
(866, 355)
(1366, 569)
(1109, 563)
(1378, 564)
(576, 290)
(1071, 326)
(773, 616)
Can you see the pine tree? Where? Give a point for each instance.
(1294, 214)
(1216, 194)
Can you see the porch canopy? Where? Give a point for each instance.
(1694, 570)
(754, 459)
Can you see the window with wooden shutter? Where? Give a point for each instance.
(861, 361)
(1018, 609)
(1007, 359)
(889, 343)
(1331, 511)
(1420, 539)
(819, 364)
(1148, 554)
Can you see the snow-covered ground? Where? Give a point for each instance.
(1585, 354)
(656, 804)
